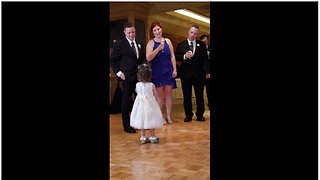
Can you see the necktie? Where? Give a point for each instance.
(191, 47)
(134, 48)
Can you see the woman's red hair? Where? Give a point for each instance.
(154, 24)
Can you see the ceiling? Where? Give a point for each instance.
(202, 8)
(175, 23)
(163, 12)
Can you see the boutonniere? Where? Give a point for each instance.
(198, 45)
(139, 46)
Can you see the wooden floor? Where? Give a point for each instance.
(182, 153)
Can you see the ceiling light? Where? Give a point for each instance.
(193, 15)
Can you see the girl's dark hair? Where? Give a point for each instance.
(144, 73)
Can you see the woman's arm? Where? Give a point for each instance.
(173, 58)
(150, 53)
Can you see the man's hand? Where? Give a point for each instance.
(122, 76)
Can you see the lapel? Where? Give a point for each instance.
(186, 45)
(196, 51)
(139, 49)
(128, 48)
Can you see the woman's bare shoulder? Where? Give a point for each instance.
(150, 41)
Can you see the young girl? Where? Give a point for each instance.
(146, 113)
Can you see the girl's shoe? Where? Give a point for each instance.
(143, 139)
(154, 139)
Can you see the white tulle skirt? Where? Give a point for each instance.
(146, 113)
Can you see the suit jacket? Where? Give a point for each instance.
(123, 59)
(198, 65)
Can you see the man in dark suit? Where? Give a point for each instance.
(205, 39)
(125, 57)
(192, 54)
